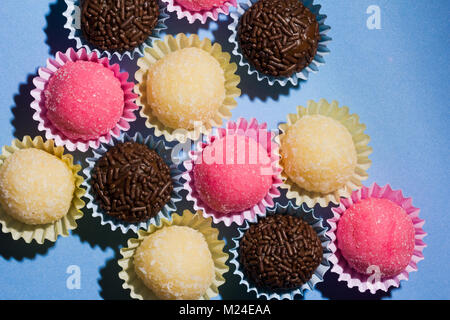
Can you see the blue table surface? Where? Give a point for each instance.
(395, 79)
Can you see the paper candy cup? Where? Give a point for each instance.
(302, 76)
(251, 129)
(316, 224)
(45, 125)
(162, 48)
(49, 231)
(73, 24)
(165, 153)
(361, 140)
(203, 15)
(188, 219)
(341, 267)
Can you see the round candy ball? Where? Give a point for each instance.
(235, 174)
(35, 187)
(84, 100)
(175, 263)
(186, 86)
(378, 233)
(318, 154)
(198, 5)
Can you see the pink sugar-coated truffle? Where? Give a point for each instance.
(376, 232)
(235, 174)
(198, 5)
(84, 100)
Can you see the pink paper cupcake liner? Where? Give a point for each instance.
(202, 15)
(51, 132)
(361, 281)
(257, 132)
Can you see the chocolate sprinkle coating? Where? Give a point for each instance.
(280, 252)
(131, 182)
(279, 37)
(118, 24)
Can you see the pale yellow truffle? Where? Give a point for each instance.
(318, 154)
(35, 187)
(175, 263)
(185, 86)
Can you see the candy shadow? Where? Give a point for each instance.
(110, 283)
(175, 25)
(57, 35)
(249, 85)
(20, 250)
(90, 230)
(333, 289)
(22, 120)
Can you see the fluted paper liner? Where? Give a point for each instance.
(73, 24)
(316, 223)
(49, 231)
(164, 152)
(195, 221)
(341, 267)
(170, 44)
(360, 139)
(303, 75)
(40, 114)
(203, 15)
(253, 130)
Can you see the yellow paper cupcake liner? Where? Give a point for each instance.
(49, 231)
(170, 44)
(360, 139)
(195, 221)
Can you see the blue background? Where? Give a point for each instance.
(395, 79)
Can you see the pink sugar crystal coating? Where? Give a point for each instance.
(84, 100)
(198, 5)
(234, 175)
(376, 232)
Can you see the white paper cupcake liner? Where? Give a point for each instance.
(203, 15)
(251, 129)
(316, 223)
(164, 152)
(40, 114)
(303, 75)
(73, 24)
(341, 267)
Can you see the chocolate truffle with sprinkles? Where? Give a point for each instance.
(131, 182)
(280, 252)
(118, 24)
(279, 37)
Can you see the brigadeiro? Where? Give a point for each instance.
(282, 254)
(131, 181)
(81, 101)
(118, 25)
(114, 26)
(280, 39)
(377, 238)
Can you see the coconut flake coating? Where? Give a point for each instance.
(318, 154)
(175, 263)
(84, 100)
(198, 5)
(185, 86)
(35, 187)
(376, 232)
(234, 175)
